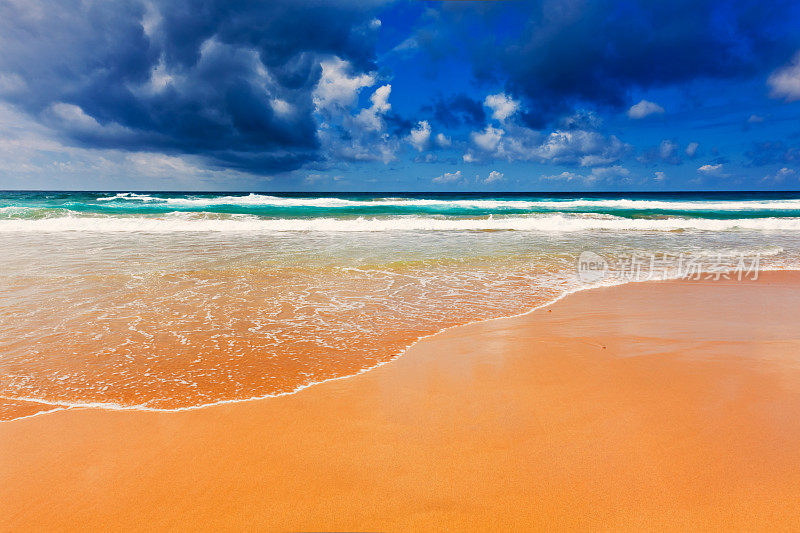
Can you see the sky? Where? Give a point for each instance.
(298, 95)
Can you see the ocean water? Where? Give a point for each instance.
(144, 300)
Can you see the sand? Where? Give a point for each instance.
(647, 406)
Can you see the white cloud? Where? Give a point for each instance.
(755, 119)
(420, 136)
(610, 173)
(337, 87)
(785, 82)
(565, 176)
(73, 116)
(659, 176)
(502, 106)
(281, 107)
(494, 176)
(711, 170)
(644, 108)
(371, 118)
(469, 158)
(157, 164)
(448, 177)
(11, 84)
(781, 175)
(691, 148)
(409, 45)
(667, 149)
(517, 143)
(488, 139)
(443, 140)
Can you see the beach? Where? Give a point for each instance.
(657, 405)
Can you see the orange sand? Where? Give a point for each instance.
(645, 406)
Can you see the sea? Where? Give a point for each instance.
(180, 300)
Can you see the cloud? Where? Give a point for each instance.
(781, 175)
(442, 140)
(643, 109)
(711, 170)
(612, 174)
(338, 86)
(420, 136)
(489, 139)
(448, 177)
(570, 147)
(362, 136)
(457, 110)
(691, 149)
(565, 176)
(597, 52)
(371, 118)
(659, 176)
(755, 119)
(235, 83)
(773, 152)
(785, 82)
(493, 177)
(33, 156)
(501, 105)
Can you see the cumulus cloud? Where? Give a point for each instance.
(502, 106)
(565, 176)
(362, 136)
(659, 176)
(644, 109)
(442, 140)
(489, 139)
(571, 147)
(781, 175)
(785, 82)
(235, 83)
(493, 177)
(611, 174)
(691, 149)
(420, 136)
(448, 178)
(598, 52)
(338, 86)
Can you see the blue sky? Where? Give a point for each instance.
(400, 96)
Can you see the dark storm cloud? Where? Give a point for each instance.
(559, 53)
(457, 110)
(231, 81)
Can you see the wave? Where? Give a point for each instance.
(499, 204)
(184, 222)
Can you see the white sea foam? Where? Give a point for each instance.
(499, 204)
(184, 222)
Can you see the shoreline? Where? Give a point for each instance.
(67, 406)
(559, 417)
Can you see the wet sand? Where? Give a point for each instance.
(651, 405)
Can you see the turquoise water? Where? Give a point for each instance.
(712, 206)
(177, 300)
